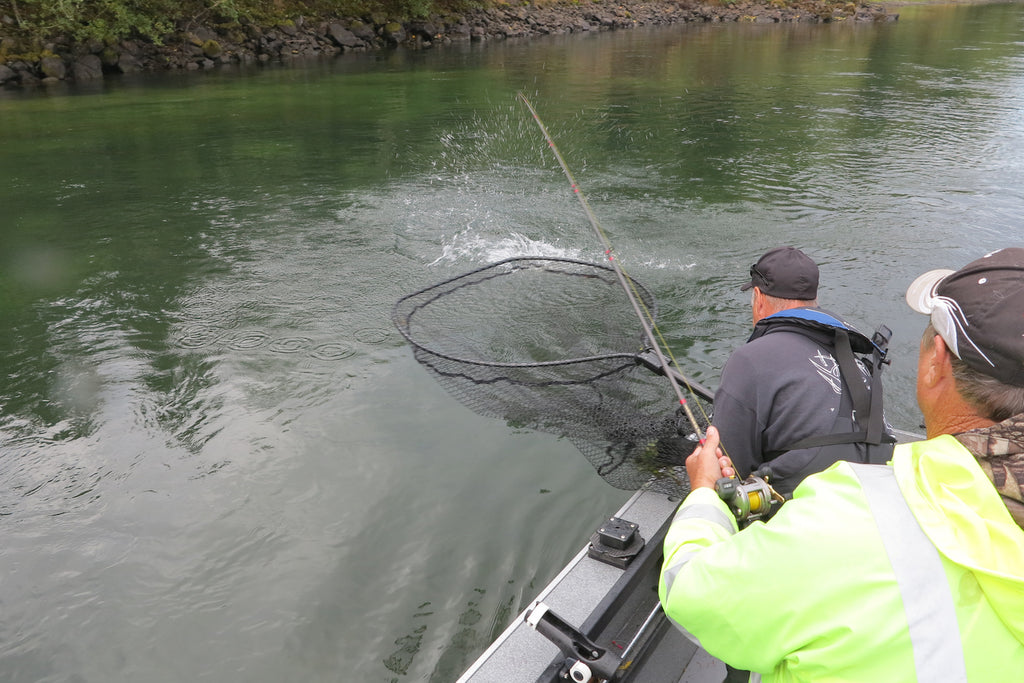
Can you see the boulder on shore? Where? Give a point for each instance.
(87, 68)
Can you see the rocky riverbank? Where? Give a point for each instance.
(198, 47)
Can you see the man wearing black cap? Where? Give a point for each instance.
(795, 396)
(908, 571)
(970, 372)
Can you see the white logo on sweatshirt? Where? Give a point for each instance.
(828, 368)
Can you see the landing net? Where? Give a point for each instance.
(554, 345)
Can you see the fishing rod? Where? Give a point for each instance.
(646, 320)
(585, 660)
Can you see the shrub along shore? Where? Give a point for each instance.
(33, 54)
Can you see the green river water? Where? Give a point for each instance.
(219, 460)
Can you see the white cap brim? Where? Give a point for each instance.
(921, 293)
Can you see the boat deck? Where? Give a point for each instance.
(609, 605)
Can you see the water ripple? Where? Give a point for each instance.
(372, 335)
(290, 344)
(246, 340)
(332, 351)
(198, 336)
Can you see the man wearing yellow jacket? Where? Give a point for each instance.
(911, 571)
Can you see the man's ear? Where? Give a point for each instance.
(938, 361)
(757, 304)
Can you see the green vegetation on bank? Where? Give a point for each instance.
(154, 20)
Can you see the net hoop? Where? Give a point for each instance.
(402, 318)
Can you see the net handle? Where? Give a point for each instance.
(645, 320)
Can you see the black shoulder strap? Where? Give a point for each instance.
(850, 372)
(866, 404)
(835, 440)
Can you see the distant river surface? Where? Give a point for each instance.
(218, 459)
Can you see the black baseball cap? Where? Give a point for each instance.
(785, 273)
(979, 312)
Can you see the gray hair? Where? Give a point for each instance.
(990, 397)
(775, 304)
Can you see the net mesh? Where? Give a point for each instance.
(554, 345)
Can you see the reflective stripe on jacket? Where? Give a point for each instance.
(909, 572)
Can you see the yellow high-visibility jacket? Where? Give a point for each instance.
(912, 571)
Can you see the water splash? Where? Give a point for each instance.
(469, 245)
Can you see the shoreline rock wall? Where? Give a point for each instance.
(203, 47)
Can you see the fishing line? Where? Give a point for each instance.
(650, 328)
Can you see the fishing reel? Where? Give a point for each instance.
(750, 499)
